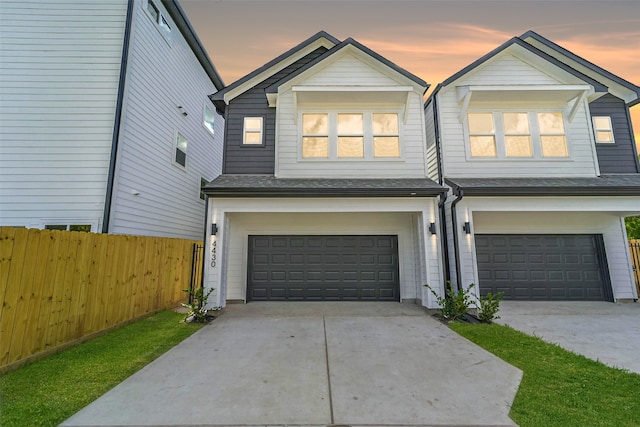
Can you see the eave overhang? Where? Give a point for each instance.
(606, 185)
(269, 186)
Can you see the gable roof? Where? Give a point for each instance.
(181, 20)
(599, 87)
(589, 65)
(218, 97)
(349, 42)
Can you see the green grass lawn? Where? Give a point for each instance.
(559, 388)
(48, 392)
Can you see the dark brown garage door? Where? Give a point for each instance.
(323, 268)
(543, 267)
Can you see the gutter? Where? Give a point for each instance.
(118, 118)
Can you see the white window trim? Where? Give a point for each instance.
(534, 134)
(368, 135)
(175, 148)
(166, 34)
(595, 130)
(244, 131)
(69, 222)
(215, 119)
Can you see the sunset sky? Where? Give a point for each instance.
(431, 39)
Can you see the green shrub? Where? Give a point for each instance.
(455, 304)
(488, 307)
(197, 306)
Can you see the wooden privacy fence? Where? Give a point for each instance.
(59, 286)
(634, 249)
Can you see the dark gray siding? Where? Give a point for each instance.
(620, 157)
(239, 159)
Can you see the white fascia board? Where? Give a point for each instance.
(618, 205)
(322, 42)
(293, 205)
(352, 88)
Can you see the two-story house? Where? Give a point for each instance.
(536, 146)
(324, 193)
(105, 121)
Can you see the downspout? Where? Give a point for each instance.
(205, 232)
(118, 116)
(454, 225)
(444, 244)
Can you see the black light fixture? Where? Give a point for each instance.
(214, 229)
(467, 227)
(432, 228)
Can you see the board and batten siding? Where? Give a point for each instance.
(59, 72)
(349, 71)
(510, 70)
(239, 159)
(163, 74)
(432, 147)
(621, 156)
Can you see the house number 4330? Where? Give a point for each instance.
(213, 254)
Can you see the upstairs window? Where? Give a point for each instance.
(209, 120)
(315, 135)
(181, 150)
(350, 135)
(516, 135)
(552, 135)
(603, 129)
(386, 137)
(482, 135)
(252, 131)
(203, 182)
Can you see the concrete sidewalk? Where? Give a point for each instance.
(315, 364)
(603, 331)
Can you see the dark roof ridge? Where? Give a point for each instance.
(583, 61)
(516, 40)
(348, 42)
(320, 34)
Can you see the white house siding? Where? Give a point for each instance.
(350, 71)
(163, 73)
(238, 218)
(431, 147)
(59, 71)
(552, 215)
(509, 70)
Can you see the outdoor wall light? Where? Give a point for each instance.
(214, 229)
(467, 227)
(432, 228)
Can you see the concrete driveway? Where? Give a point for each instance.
(315, 364)
(601, 331)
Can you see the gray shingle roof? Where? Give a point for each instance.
(605, 185)
(269, 186)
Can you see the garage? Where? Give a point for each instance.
(323, 268)
(562, 267)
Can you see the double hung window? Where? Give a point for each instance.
(603, 129)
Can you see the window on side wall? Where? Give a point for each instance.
(69, 227)
(158, 18)
(252, 131)
(209, 120)
(181, 150)
(603, 129)
(203, 182)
